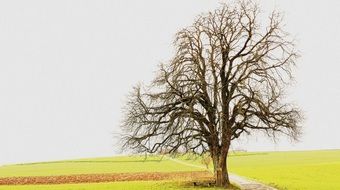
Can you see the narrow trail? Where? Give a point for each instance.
(185, 163)
(247, 184)
(242, 182)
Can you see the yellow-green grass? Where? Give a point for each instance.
(312, 170)
(132, 185)
(97, 165)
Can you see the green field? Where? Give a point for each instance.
(131, 185)
(127, 164)
(96, 165)
(312, 170)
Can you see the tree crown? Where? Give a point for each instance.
(226, 78)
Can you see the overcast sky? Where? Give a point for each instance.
(66, 66)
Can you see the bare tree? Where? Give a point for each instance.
(226, 79)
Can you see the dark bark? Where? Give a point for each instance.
(221, 170)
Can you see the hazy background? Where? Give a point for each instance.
(66, 66)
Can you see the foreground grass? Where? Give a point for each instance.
(132, 185)
(312, 170)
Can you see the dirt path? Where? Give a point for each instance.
(95, 178)
(247, 184)
(185, 163)
(243, 183)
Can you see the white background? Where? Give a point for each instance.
(67, 65)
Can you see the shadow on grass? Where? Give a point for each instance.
(205, 184)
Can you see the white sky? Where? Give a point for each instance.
(66, 66)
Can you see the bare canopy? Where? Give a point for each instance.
(226, 79)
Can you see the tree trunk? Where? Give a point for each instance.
(221, 170)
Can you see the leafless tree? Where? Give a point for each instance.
(226, 79)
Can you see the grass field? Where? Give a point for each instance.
(126, 164)
(132, 185)
(96, 165)
(312, 170)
